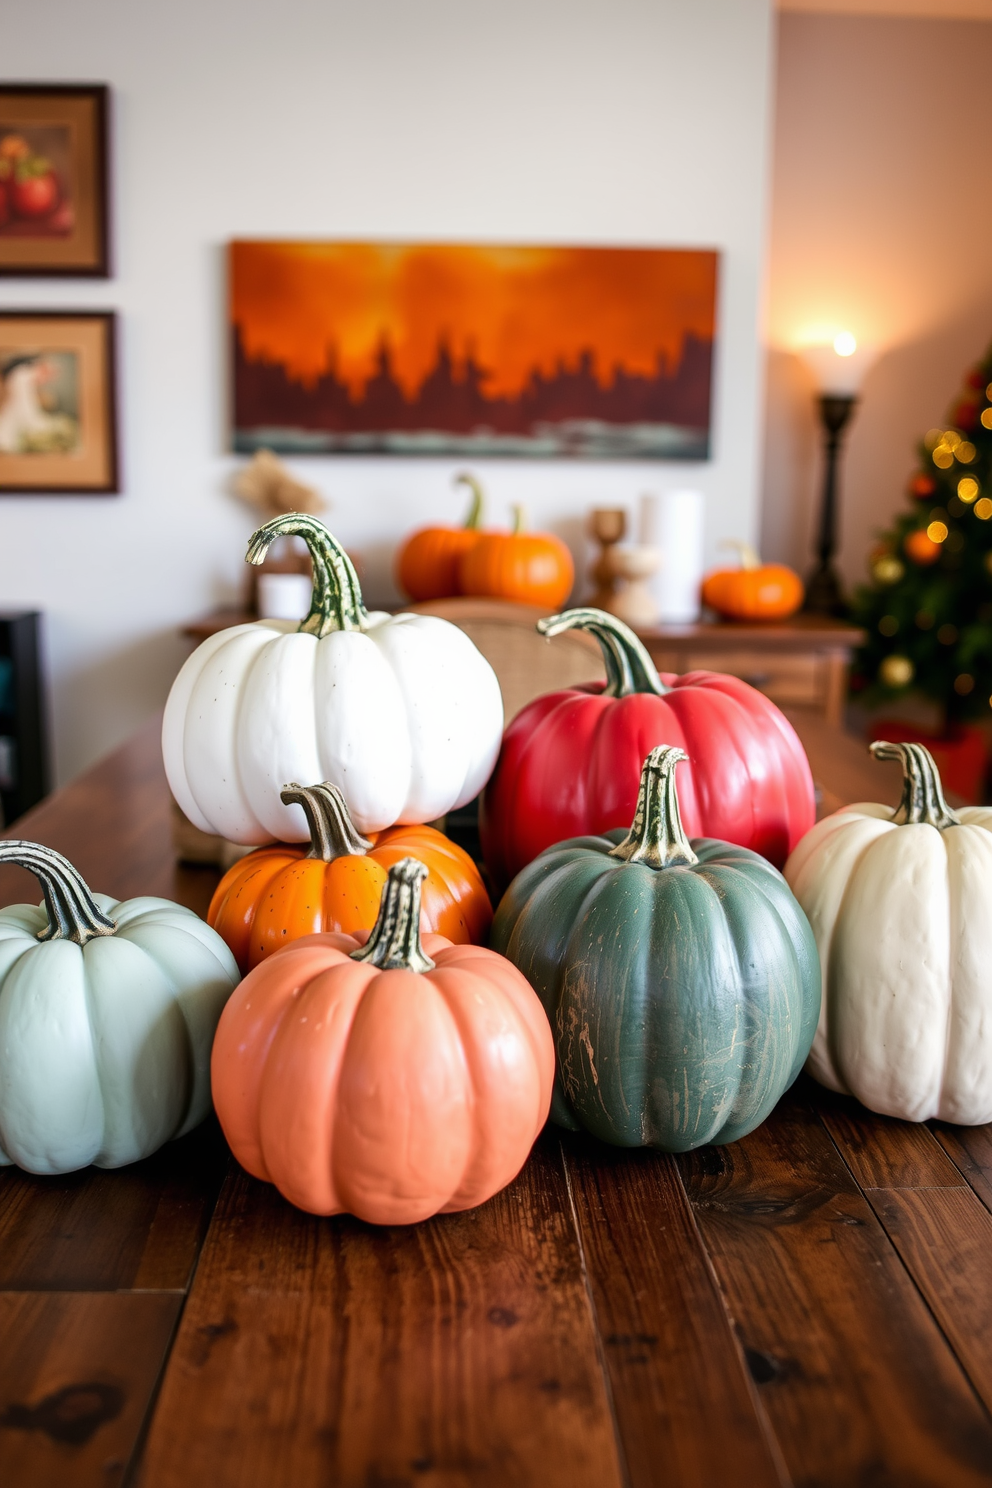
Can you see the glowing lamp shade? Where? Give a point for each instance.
(838, 366)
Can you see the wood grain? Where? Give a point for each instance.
(858, 1382)
(454, 1353)
(674, 1363)
(77, 1375)
(970, 1149)
(94, 1230)
(880, 1151)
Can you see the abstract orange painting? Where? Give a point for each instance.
(475, 350)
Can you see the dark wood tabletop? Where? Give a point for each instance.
(810, 1306)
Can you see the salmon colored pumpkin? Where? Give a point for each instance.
(275, 895)
(391, 1080)
(427, 565)
(532, 568)
(755, 590)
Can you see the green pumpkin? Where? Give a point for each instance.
(681, 980)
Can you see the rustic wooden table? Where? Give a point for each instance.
(811, 1305)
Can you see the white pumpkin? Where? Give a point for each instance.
(107, 1017)
(401, 712)
(899, 902)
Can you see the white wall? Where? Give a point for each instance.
(634, 122)
(881, 222)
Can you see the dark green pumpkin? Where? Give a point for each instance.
(681, 980)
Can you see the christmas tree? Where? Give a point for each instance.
(928, 610)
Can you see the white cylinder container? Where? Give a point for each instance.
(283, 596)
(673, 522)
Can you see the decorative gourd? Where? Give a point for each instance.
(107, 1015)
(276, 894)
(899, 904)
(571, 760)
(680, 979)
(755, 591)
(532, 568)
(400, 711)
(427, 563)
(393, 1080)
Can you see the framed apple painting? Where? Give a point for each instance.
(53, 180)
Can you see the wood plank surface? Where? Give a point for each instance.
(453, 1353)
(77, 1375)
(880, 1151)
(857, 1380)
(95, 1230)
(669, 1347)
(970, 1149)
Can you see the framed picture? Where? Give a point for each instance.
(57, 402)
(53, 180)
(463, 349)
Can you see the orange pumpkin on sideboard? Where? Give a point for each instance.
(532, 568)
(391, 1080)
(755, 590)
(427, 563)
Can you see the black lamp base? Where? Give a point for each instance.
(823, 591)
(824, 595)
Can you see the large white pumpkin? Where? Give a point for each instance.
(107, 1017)
(401, 712)
(901, 907)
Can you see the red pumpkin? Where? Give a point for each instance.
(570, 763)
(391, 1079)
(427, 564)
(532, 568)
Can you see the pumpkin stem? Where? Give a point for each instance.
(333, 834)
(519, 519)
(337, 596)
(748, 556)
(395, 939)
(473, 520)
(922, 793)
(657, 838)
(629, 668)
(73, 913)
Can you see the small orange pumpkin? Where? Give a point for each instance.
(921, 548)
(392, 1080)
(755, 591)
(276, 894)
(533, 568)
(427, 563)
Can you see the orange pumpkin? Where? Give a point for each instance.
(755, 590)
(921, 548)
(427, 563)
(391, 1080)
(276, 894)
(533, 568)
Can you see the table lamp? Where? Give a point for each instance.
(838, 366)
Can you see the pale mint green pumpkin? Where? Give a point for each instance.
(107, 1017)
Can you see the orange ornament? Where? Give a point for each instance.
(920, 548)
(755, 591)
(277, 894)
(532, 568)
(922, 486)
(427, 564)
(392, 1080)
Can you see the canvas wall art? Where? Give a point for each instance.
(57, 416)
(53, 180)
(459, 349)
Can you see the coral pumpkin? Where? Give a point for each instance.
(393, 1080)
(571, 760)
(533, 568)
(427, 564)
(755, 591)
(276, 894)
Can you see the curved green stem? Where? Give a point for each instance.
(657, 839)
(73, 913)
(629, 668)
(395, 939)
(337, 596)
(473, 520)
(922, 793)
(333, 834)
(519, 519)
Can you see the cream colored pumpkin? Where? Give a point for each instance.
(899, 905)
